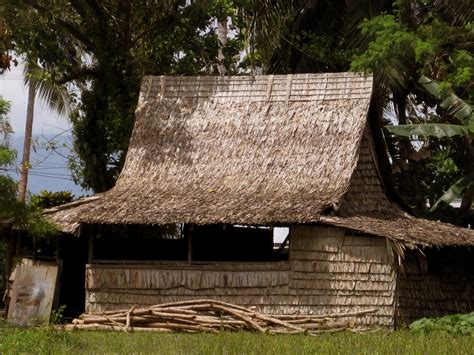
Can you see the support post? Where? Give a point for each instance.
(190, 243)
(9, 264)
(90, 255)
(10, 252)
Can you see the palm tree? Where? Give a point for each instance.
(316, 35)
(54, 95)
(221, 43)
(282, 30)
(25, 161)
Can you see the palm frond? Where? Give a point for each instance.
(54, 95)
(394, 75)
(357, 12)
(458, 12)
(438, 130)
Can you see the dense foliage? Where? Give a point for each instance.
(27, 216)
(421, 56)
(100, 50)
(48, 199)
(420, 52)
(8, 201)
(460, 324)
(5, 57)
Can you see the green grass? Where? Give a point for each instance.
(44, 340)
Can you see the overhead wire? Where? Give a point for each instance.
(33, 171)
(51, 176)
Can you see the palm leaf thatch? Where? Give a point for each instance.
(265, 150)
(65, 217)
(251, 150)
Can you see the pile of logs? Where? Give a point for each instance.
(210, 316)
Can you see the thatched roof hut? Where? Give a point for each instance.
(264, 150)
(294, 151)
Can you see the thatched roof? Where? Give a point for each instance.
(405, 228)
(275, 150)
(66, 217)
(248, 150)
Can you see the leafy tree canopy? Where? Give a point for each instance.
(413, 48)
(420, 52)
(100, 50)
(421, 55)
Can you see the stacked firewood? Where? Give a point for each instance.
(211, 316)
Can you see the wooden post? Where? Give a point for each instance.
(90, 255)
(10, 252)
(57, 253)
(35, 249)
(190, 243)
(18, 244)
(9, 263)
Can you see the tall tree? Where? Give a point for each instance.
(222, 10)
(54, 96)
(422, 40)
(25, 161)
(103, 49)
(398, 42)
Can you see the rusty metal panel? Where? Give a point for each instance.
(32, 295)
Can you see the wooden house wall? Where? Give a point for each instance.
(335, 272)
(111, 287)
(438, 283)
(328, 272)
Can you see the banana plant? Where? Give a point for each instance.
(458, 189)
(464, 113)
(454, 105)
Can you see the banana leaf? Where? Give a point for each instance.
(455, 191)
(438, 130)
(456, 106)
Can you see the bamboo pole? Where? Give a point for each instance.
(207, 315)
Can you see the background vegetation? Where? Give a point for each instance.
(458, 324)
(25, 216)
(420, 52)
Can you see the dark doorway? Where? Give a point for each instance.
(72, 251)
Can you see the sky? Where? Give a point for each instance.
(45, 120)
(49, 170)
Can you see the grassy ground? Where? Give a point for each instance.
(401, 342)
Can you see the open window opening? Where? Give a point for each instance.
(237, 243)
(191, 243)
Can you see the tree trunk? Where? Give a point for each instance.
(468, 196)
(25, 162)
(222, 42)
(405, 145)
